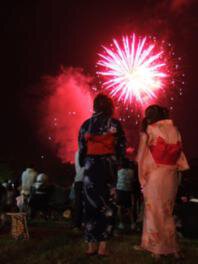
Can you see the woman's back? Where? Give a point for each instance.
(164, 129)
(164, 142)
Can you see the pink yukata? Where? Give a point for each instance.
(159, 158)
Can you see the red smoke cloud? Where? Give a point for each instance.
(67, 104)
(64, 109)
(178, 5)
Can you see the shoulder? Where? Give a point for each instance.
(143, 135)
(85, 124)
(151, 127)
(121, 172)
(24, 172)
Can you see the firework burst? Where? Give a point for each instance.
(134, 69)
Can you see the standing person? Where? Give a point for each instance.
(101, 141)
(123, 191)
(159, 157)
(28, 177)
(78, 196)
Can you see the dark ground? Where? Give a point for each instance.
(56, 243)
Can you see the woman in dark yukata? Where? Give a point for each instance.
(101, 146)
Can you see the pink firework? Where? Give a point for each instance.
(133, 69)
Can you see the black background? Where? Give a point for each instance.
(39, 36)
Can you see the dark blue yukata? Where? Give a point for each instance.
(101, 145)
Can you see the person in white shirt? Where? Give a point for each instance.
(78, 182)
(28, 177)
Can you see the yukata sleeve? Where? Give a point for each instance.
(182, 163)
(140, 157)
(82, 145)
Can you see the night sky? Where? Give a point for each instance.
(39, 36)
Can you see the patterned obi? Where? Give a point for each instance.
(100, 144)
(164, 153)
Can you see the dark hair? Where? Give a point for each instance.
(103, 103)
(155, 113)
(166, 112)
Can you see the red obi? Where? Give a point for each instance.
(100, 144)
(164, 153)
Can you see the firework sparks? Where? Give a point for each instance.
(133, 69)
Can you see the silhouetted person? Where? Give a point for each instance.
(101, 143)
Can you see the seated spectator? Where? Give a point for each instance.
(39, 195)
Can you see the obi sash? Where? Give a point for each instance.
(164, 153)
(100, 144)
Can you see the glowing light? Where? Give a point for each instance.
(133, 69)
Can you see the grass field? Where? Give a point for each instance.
(56, 243)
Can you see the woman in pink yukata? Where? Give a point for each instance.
(159, 158)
